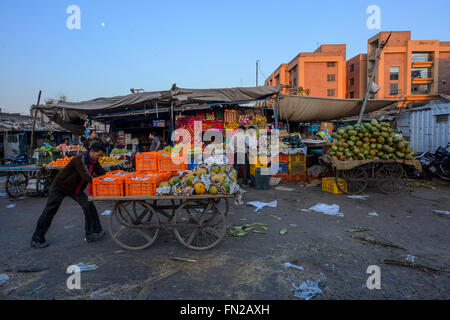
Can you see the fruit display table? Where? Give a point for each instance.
(198, 221)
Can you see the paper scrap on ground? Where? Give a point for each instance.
(442, 211)
(332, 210)
(259, 205)
(84, 267)
(4, 278)
(284, 189)
(305, 210)
(290, 265)
(10, 206)
(373, 214)
(409, 258)
(361, 197)
(307, 290)
(106, 213)
(4, 195)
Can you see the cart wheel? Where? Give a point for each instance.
(43, 184)
(134, 225)
(222, 205)
(357, 180)
(391, 178)
(199, 230)
(16, 183)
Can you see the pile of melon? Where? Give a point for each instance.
(213, 179)
(369, 141)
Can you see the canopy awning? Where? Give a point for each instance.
(71, 115)
(302, 108)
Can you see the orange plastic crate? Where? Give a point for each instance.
(147, 161)
(102, 188)
(297, 177)
(158, 176)
(117, 173)
(171, 164)
(140, 187)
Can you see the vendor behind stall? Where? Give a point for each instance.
(63, 146)
(156, 142)
(71, 182)
(91, 139)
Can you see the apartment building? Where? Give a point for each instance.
(356, 77)
(322, 72)
(413, 69)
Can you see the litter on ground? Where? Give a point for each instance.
(10, 206)
(307, 290)
(409, 258)
(290, 265)
(259, 205)
(442, 212)
(284, 189)
(84, 267)
(4, 278)
(332, 210)
(106, 213)
(361, 197)
(373, 214)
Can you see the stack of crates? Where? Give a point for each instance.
(297, 167)
(283, 168)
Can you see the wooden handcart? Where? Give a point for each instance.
(18, 178)
(389, 176)
(198, 221)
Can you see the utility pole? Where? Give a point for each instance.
(257, 66)
(34, 123)
(372, 78)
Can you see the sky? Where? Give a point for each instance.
(196, 44)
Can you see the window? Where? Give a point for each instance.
(331, 64)
(421, 57)
(352, 81)
(331, 92)
(420, 89)
(394, 71)
(331, 77)
(352, 68)
(352, 95)
(420, 73)
(393, 89)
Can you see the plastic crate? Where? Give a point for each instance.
(136, 186)
(105, 188)
(329, 185)
(159, 177)
(284, 157)
(297, 163)
(297, 177)
(172, 164)
(147, 161)
(117, 173)
(283, 176)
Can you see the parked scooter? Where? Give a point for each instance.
(437, 164)
(21, 159)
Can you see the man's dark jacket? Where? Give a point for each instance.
(76, 174)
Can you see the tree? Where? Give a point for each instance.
(62, 98)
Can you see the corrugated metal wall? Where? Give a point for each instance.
(430, 127)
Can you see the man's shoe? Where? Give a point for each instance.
(95, 236)
(39, 245)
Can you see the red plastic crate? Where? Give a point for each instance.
(140, 187)
(102, 188)
(297, 177)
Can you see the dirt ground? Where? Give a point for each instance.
(250, 267)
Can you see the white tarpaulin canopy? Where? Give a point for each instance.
(301, 108)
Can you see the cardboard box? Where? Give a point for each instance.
(327, 126)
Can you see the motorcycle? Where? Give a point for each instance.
(21, 159)
(436, 164)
